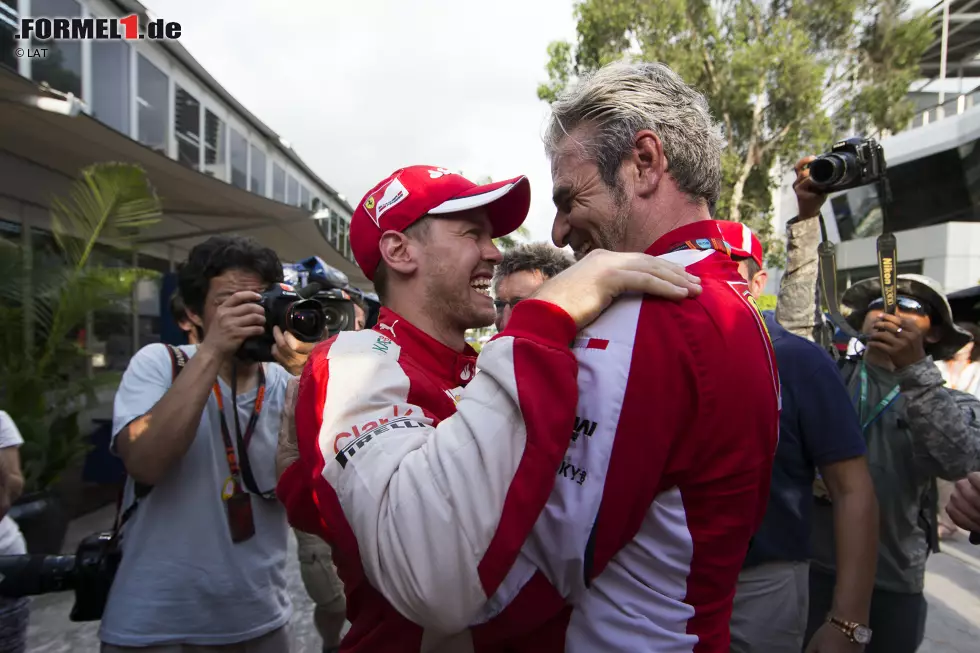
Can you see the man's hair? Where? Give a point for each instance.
(542, 257)
(621, 99)
(751, 267)
(177, 309)
(359, 301)
(419, 230)
(217, 255)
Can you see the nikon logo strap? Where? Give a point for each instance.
(887, 267)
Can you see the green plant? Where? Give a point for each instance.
(44, 382)
(766, 303)
(783, 78)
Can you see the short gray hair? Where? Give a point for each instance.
(623, 98)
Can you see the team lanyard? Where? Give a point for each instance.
(232, 484)
(882, 406)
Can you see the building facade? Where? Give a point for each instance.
(216, 166)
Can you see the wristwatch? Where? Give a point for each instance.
(857, 633)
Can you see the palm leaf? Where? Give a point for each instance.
(110, 201)
(44, 394)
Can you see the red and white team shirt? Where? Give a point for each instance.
(654, 501)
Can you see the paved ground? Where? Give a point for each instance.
(952, 588)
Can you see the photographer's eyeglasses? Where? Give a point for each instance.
(500, 304)
(905, 303)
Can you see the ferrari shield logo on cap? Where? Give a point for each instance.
(385, 198)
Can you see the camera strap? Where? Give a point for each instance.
(887, 267)
(178, 359)
(244, 472)
(827, 256)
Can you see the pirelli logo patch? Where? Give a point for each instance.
(349, 450)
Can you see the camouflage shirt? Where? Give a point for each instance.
(929, 431)
(796, 305)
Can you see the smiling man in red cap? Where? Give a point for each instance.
(424, 476)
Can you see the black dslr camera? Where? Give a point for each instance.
(287, 309)
(89, 573)
(850, 163)
(319, 309)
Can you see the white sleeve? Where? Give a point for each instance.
(9, 434)
(440, 512)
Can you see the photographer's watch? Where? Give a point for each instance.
(857, 633)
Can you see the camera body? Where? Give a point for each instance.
(287, 309)
(850, 163)
(327, 285)
(89, 573)
(313, 304)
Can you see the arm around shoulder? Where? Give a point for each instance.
(440, 509)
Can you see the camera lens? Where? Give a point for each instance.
(834, 169)
(337, 320)
(306, 320)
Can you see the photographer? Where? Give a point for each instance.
(917, 431)
(204, 554)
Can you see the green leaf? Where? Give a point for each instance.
(45, 388)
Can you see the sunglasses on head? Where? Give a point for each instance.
(905, 303)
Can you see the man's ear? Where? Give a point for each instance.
(758, 284)
(934, 335)
(398, 252)
(194, 318)
(648, 163)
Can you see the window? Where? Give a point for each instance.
(110, 84)
(345, 239)
(62, 67)
(324, 225)
(214, 145)
(304, 197)
(335, 231)
(151, 98)
(315, 204)
(187, 128)
(239, 159)
(9, 25)
(278, 183)
(258, 172)
(292, 190)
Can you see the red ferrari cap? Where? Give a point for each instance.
(414, 192)
(743, 242)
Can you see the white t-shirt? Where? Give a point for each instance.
(11, 540)
(182, 579)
